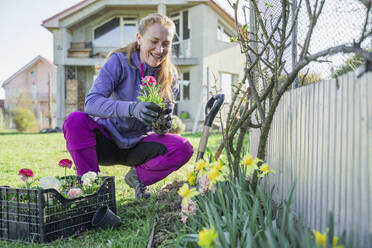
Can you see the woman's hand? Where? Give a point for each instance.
(147, 112)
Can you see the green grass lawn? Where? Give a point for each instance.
(42, 152)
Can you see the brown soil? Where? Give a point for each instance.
(168, 215)
(159, 126)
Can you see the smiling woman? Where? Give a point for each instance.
(155, 44)
(121, 131)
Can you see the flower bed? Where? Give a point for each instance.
(43, 215)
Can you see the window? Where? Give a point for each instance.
(184, 82)
(32, 74)
(186, 86)
(185, 25)
(108, 34)
(117, 32)
(130, 30)
(222, 34)
(181, 21)
(176, 38)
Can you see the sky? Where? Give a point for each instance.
(22, 36)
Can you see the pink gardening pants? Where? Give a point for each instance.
(80, 132)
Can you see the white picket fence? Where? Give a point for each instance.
(321, 137)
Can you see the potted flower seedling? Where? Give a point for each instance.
(150, 92)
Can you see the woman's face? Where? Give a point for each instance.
(155, 44)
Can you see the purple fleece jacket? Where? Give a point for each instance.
(115, 88)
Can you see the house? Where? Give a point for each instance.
(2, 112)
(202, 51)
(2, 105)
(34, 87)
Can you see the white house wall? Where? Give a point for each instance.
(196, 30)
(217, 64)
(196, 71)
(222, 56)
(61, 43)
(196, 76)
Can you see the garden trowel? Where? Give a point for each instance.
(211, 109)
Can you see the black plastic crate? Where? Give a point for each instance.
(44, 215)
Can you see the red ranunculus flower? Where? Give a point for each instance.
(148, 80)
(25, 173)
(65, 163)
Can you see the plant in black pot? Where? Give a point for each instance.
(164, 122)
(150, 93)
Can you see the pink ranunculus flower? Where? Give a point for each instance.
(148, 80)
(188, 210)
(65, 163)
(74, 192)
(25, 174)
(203, 182)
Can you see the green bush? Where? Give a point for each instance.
(177, 125)
(24, 119)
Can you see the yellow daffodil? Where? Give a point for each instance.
(187, 193)
(200, 165)
(207, 238)
(265, 170)
(215, 175)
(250, 164)
(247, 160)
(321, 239)
(220, 166)
(191, 178)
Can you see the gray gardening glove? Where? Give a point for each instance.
(147, 112)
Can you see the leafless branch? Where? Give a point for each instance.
(309, 12)
(313, 22)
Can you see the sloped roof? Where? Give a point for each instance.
(53, 21)
(27, 66)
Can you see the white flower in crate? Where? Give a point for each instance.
(88, 178)
(50, 182)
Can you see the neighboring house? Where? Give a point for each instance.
(2, 112)
(202, 51)
(2, 105)
(34, 87)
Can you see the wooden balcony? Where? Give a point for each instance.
(80, 50)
